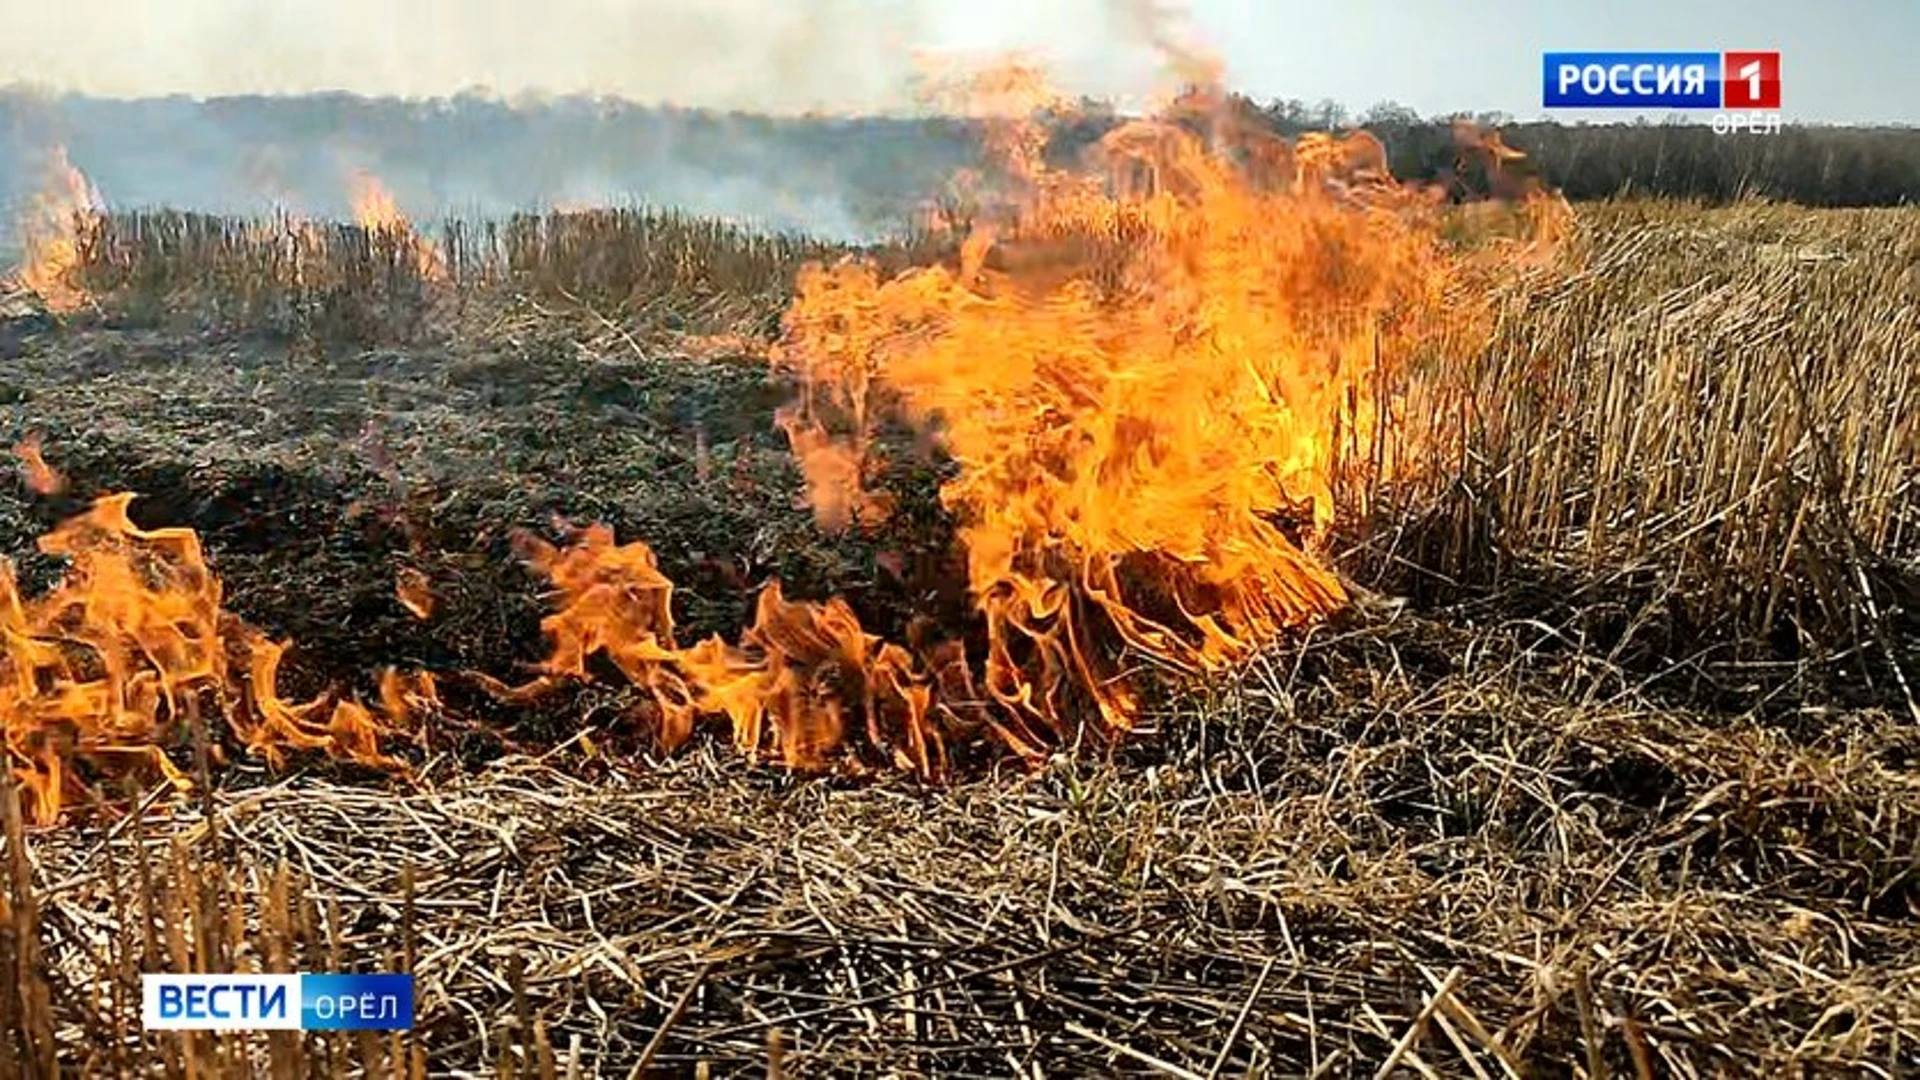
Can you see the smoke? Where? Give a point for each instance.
(492, 106)
(829, 54)
(1163, 27)
(476, 157)
(835, 56)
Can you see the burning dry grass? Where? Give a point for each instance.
(58, 216)
(375, 210)
(132, 650)
(1401, 841)
(1287, 870)
(1707, 431)
(1173, 415)
(1160, 371)
(1146, 377)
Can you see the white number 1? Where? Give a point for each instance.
(1751, 73)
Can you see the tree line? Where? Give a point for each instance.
(476, 154)
(1815, 165)
(1812, 165)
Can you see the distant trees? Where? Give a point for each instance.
(1814, 165)
(478, 152)
(1818, 166)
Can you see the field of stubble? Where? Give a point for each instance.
(1611, 768)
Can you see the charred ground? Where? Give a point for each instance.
(315, 481)
(1568, 811)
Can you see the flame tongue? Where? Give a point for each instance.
(376, 210)
(55, 219)
(101, 675)
(1160, 380)
(803, 673)
(789, 687)
(1144, 373)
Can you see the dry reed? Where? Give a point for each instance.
(1472, 842)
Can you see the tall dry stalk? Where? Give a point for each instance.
(1718, 417)
(1705, 438)
(181, 899)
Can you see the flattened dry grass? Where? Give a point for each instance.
(1628, 788)
(1401, 842)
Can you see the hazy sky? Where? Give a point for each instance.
(1849, 61)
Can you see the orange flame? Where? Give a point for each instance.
(414, 592)
(1161, 379)
(41, 478)
(376, 210)
(52, 229)
(106, 672)
(801, 676)
(1154, 377)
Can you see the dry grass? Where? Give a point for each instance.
(652, 268)
(343, 283)
(1399, 833)
(1630, 790)
(283, 275)
(1705, 443)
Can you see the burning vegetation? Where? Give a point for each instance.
(377, 211)
(131, 651)
(1158, 376)
(1153, 378)
(53, 229)
(1061, 470)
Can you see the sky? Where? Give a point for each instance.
(1844, 61)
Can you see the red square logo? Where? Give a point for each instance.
(1750, 80)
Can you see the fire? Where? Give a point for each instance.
(613, 600)
(798, 681)
(414, 592)
(40, 477)
(376, 210)
(53, 229)
(117, 664)
(1161, 378)
(1157, 376)
(374, 207)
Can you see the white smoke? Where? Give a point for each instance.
(120, 84)
(841, 56)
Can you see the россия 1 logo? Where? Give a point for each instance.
(1661, 80)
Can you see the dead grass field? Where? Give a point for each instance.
(1613, 767)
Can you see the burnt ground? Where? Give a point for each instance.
(1406, 830)
(314, 481)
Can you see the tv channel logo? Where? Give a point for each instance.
(303, 1002)
(1661, 80)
